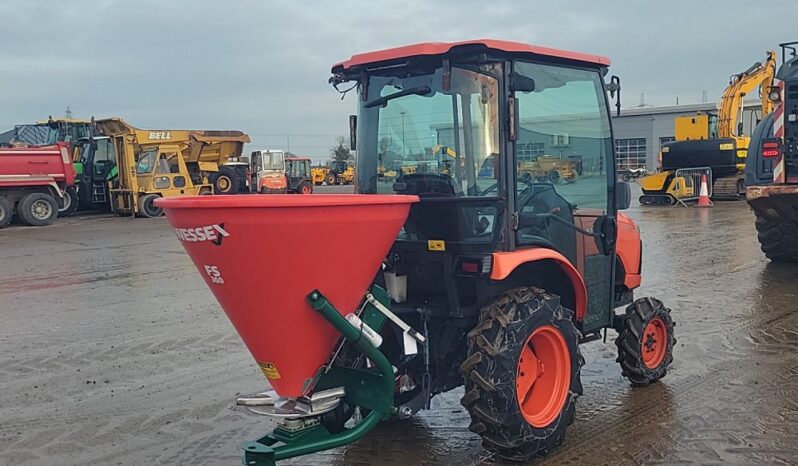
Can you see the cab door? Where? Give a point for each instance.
(170, 174)
(564, 182)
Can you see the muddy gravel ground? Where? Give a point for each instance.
(113, 351)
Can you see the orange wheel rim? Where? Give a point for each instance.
(305, 189)
(654, 344)
(544, 376)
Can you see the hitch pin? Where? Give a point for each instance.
(394, 318)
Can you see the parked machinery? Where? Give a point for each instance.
(340, 172)
(319, 174)
(34, 182)
(438, 280)
(714, 141)
(165, 163)
(298, 175)
(772, 165)
(70, 131)
(267, 169)
(548, 168)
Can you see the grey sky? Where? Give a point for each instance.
(262, 66)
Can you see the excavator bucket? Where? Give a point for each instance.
(262, 255)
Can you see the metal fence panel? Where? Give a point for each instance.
(689, 183)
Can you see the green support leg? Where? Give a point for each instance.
(375, 391)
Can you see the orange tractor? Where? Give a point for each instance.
(470, 277)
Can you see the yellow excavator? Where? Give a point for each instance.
(714, 141)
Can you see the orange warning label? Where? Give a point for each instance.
(269, 370)
(436, 245)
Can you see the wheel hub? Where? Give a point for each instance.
(40, 210)
(654, 344)
(543, 376)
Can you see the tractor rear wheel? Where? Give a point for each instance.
(522, 374)
(645, 341)
(330, 179)
(70, 202)
(6, 211)
(779, 241)
(305, 187)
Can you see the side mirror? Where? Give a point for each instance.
(614, 88)
(519, 82)
(608, 232)
(623, 195)
(353, 132)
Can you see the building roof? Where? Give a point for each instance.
(440, 48)
(688, 108)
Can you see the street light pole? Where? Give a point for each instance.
(403, 133)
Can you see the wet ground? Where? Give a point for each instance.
(113, 351)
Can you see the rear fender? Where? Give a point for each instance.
(546, 268)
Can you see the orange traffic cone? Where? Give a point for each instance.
(703, 195)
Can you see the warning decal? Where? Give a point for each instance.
(269, 370)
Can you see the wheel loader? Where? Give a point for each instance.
(475, 278)
(772, 166)
(153, 164)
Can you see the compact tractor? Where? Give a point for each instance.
(469, 277)
(772, 165)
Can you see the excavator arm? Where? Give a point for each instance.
(740, 85)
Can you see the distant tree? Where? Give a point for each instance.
(340, 151)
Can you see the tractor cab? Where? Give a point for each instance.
(510, 149)
(267, 168)
(297, 170)
(97, 157)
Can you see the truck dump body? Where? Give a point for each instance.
(198, 145)
(21, 166)
(35, 183)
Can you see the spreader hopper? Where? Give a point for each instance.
(261, 256)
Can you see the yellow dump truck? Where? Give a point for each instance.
(166, 163)
(548, 168)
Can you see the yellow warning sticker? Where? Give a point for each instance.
(436, 245)
(269, 370)
(726, 146)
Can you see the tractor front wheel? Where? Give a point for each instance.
(645, 341)
(522, 374)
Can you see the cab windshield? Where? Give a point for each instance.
(267, 160)
(145, 161)
(423, 136)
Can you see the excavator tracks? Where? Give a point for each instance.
(728, 188)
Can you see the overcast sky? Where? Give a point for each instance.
(262, 66)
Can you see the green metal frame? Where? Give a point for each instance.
(372, 389)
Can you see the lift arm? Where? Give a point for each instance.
(731, 104)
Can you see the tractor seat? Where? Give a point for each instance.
(425, 185)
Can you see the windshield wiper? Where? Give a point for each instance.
(380, 102)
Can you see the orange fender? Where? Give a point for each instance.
(504, 263)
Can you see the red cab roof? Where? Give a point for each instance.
(439, 48)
